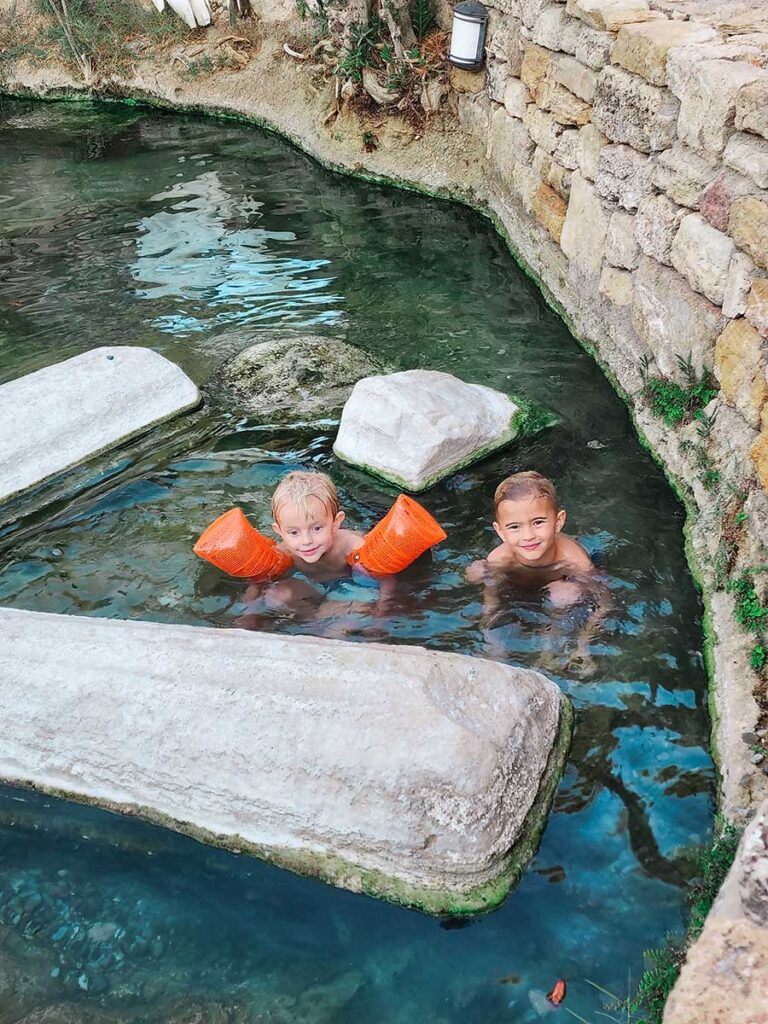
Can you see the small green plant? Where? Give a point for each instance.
(758, 657)
(740, 518)
(361, 53)
(422, 19)
(677, 403)
(749, 612)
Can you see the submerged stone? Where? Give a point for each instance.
(416, 427)
(67, 413)
(289, 377)
(413, 775)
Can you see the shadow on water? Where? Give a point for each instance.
(131, 228)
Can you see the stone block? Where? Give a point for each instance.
(757, 306)
(591, 142)
(496, 79)
(532, 10)
(543, 128)
(505, 42)
(621, 248)
(672, 319)
(535, 71)
(462, 81)
(683, 61)
(718, 197)
(549, 210)
(566, 108)
(642, 48)
(567, 149)
(617, 286)
(526, 183)
(552, 173)
(609, 15)
(740, 368)
(308, 752)
(628, 109)
(748, 227)
(574, 76)
(683, 175)
(748, 155)
(474, 113)
(702, 254)
(593, 48)
(658, 220)
(752, 109)
(67, 413)
(416, 427)
(741, 273)
(585, 227)
(624, 175)
(708, 108)
(556, 30)
(508, 142)
(516, 98)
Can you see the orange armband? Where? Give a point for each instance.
(405, 532)
(232, 544)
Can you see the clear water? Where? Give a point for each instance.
(129, 227)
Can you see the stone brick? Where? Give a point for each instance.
(526, 183)
(535, 71)
(567, 149)
(672, 319)
(702, 254)
(683, 61)
(609, 15)
(628, 109)
(593, 48)
(585, 227)
(566, 108)
(759, 454)
(748, 227)
(708, 108)
(658, 220)
(575, 76)
(552, 173)
(496, 79)
(718, 197)
(749, 156)
(752, 109)
(591, 142)
(642, 48)
(505, 42)
(624, 175)
(549, 210)
(556, 30)
(466, 81)
(508, 142)
(740, 368)
(617, 286)
(621, 248)
(757, 306)
(683, 175)
(516, 98)
(542, 128)
(532, 10)
(474, 113)
(741, 273)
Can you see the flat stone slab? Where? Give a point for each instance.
(417, 776)
(65, 414)
(415, 427)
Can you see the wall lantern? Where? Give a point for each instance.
(468, 35)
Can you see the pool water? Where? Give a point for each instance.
(121, 226)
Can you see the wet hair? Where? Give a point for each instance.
(300, 486)
(525, 485)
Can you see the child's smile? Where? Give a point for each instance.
(528, 528)
(308, 534)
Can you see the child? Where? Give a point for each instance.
(528, 521)
(534, 554)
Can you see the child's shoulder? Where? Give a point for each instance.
(349, 540)
(573, 553)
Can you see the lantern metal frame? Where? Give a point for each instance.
(465, 14)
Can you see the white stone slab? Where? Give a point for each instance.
(416, 427)
(396, 771)
(66, 413)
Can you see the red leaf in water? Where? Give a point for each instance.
(557, 995)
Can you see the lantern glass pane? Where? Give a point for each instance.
(464, 40)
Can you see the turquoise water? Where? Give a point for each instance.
(125, 227)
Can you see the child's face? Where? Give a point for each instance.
(310, 534)
(529, 527)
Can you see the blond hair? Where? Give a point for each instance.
(299, 487)
(525, 485)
